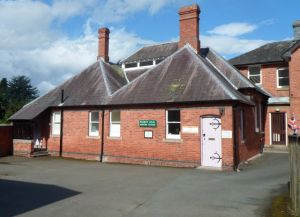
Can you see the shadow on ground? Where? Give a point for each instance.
(19, 197)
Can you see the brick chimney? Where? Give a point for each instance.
(296, 27)
(103, 44)
(189, 26)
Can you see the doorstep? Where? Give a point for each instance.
(276, 149)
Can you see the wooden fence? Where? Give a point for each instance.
(6, 140)
(294, 156)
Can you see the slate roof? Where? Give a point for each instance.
(133, 74)
(182, 77)
(160, 51)
(269, 53)
(93, 86)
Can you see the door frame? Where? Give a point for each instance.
(286, 127)
(201, 140)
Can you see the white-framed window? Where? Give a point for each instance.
(94, 123)
(260, 123)
(254, 74)
(258, 117)
(242, 127)
(173, 124)
(283, 77)
(115, 124)
(56, 118)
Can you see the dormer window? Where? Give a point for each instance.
(131, 65)
(146, 63)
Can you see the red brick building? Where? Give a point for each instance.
(275, 67)
(174, 104)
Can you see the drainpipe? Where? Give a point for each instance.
(102, 137)
(235, 140)
(61, 124)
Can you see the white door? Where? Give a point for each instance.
(211, 142)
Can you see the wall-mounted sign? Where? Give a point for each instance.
(148, 134)
(190, 130)
(226, 134)
(148, 123)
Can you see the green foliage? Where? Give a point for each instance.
(14, 94)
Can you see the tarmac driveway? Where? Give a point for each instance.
(58, 187)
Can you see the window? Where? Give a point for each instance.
(173, 124)
(259, 115)
(283, 78)
(56, 124)
(94, 124)
(131, 65)
(255, 74)
(146, 63)
(115, 126)
(242, 127)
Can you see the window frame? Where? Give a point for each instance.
(53, 123)
(242, 125)
(277, 77)
(260, 74)
(91, 122)
(111, 123)
(172, 136)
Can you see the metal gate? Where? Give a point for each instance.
(278, 128)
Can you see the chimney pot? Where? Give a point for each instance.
(296, 27)
(189, 26)
(103, 44)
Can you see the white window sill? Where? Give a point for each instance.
(172, 140)
(114, 138)
(55, 136)
(93, 137)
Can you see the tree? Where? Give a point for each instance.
(14, 94)
(3, 97)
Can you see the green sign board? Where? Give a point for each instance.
(148, 123)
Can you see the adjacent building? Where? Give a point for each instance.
(275, 67)
(174, 104)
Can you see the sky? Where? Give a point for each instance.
(52, 40)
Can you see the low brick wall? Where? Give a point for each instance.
(6, 141)
(22, 147)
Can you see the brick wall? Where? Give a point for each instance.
(23, 148)
(294, 66)
(76, 140)
(253, 141)
(6, 145)
(269, 79)
(132, 147)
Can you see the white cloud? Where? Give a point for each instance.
(116, 10)
(30, 46)
(229, 46)
(233, 29)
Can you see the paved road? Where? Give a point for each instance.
(57, 187)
